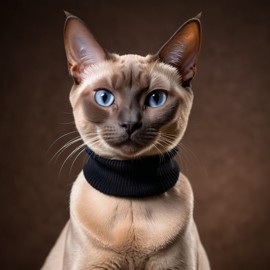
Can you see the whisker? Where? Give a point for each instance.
(93, 141)
(67, 123)
(77, 157)
(186, 156)
(69, 156)
(188, 151)
(59, 139)
(170, 136)
(64, 147)
(166, 140)
(183, 159)
(156, 147)
(195, 160)
(160, 152)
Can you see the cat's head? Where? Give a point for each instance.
(128, 106)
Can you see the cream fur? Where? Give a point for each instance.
(114, 233)
(111, 233)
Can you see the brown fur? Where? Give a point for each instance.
(113, 233)
(154, 75)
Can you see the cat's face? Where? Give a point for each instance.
(131, 105)
(128, 106)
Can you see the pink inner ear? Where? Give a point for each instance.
(75, 71)
(182, 50)
(82, 49)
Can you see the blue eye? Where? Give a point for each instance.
(156, 98)
(104, 98)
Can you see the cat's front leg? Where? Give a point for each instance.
(55, 259)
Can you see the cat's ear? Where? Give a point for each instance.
(82, 49)
(182, 49)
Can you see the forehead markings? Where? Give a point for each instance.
(132, 74)
(114, 80)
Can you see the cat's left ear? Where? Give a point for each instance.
(82, 49)
(182, 49)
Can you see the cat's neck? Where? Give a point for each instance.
(141, 177)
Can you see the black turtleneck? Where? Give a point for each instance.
(142, 177)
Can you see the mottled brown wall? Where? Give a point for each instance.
(226, 154)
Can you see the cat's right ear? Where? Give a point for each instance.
(82, 49)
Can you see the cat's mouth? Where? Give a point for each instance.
(130, 145)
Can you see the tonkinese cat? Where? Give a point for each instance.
(131, 207)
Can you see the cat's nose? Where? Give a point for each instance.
(130, 127)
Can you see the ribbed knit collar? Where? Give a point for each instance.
(142, 177)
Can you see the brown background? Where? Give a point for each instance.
(226, 153)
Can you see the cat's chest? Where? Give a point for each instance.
(137, 228)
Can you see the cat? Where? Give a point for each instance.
(130, 207)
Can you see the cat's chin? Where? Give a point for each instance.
(129, 149)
